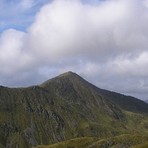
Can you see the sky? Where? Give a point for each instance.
(104, 41)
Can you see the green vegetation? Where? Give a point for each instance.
(128, 141)
(131, 104)
(72, 143)
(67, 108)
(144, 145)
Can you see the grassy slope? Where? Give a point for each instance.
(143, 145)
(63, 108)
(125, 140)
(131, 104)
(137, 136)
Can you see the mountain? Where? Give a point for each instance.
(131, 103)
(128, 103)
(146, 101)
(66, 107)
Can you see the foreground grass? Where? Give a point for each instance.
(126, 140)
(144, 145)
(76, 142)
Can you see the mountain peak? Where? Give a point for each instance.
(69, 73)
(66, 107)
(66, 75)
(70, 80)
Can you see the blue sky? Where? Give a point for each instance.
(104, 41)
(19, 14)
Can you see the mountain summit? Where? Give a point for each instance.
(66, 107)
(128, 103)
(67, 75)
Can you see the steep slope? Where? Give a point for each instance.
(77, 91)
(61, 108)
(128, 103)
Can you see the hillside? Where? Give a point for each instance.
(128, 103)
(66, 107)
(131, 104)
(121, 141)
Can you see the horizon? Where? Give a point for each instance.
(104, 41)
(62, 74)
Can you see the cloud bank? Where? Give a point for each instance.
(105, 42)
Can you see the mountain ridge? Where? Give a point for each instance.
(63, 108)
(107, 93)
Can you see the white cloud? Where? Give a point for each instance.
(13, 56)
(106, 43)
(129, 65)
(69, 27)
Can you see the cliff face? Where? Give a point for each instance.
(62, 108)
